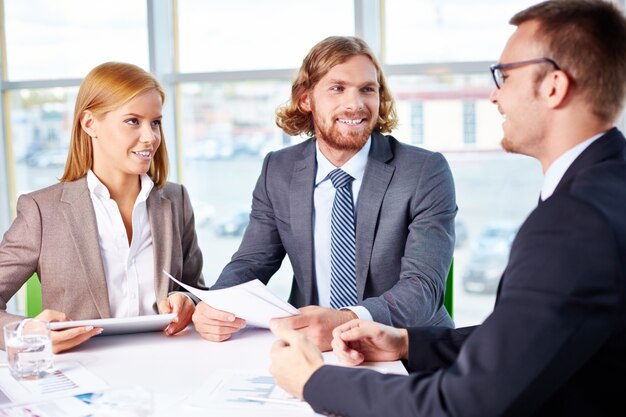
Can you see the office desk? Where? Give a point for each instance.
(175, 367)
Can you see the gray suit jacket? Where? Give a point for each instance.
(404, 231)
(55, 234)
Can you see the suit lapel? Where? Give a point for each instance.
(81, 219)
(376, 180)
(301, 215)
(160, 215)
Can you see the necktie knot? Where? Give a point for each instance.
(340, 178)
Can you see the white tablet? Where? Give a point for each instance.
(140, 324)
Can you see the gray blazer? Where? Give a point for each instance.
(55, 234)
(404, 231)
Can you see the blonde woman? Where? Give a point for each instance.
(99, 239)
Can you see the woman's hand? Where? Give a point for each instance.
(66, 339)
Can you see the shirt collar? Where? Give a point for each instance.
(555, 172)
(96, 187)
(355, 167)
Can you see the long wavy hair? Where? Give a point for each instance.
(334, 50)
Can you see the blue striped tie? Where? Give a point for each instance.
(342, 243)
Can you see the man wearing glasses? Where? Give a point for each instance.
(555, 343)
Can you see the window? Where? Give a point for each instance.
(41, 124)
(419, 31)
(227, 129)
(67, 38)
(417, 122)
(469, 122)
(449, 55)
(218, 35)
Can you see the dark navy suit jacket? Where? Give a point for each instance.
(555, 344)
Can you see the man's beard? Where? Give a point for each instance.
(338, 140)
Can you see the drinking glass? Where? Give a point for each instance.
(29, 348)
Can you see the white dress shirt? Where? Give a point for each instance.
(323, 197)
(555, 172)
(129, 271)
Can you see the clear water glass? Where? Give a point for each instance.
(29, 348)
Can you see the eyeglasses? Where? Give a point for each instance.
(498, 76)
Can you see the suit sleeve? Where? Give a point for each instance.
(418, 294)
(558, 304)
(192, 256)
(261, 251)
(19, 254)
(434, 347)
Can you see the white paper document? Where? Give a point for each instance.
(229, 391)
(61, 407)
(69, 378)
(251, 301)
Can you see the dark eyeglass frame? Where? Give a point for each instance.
(498, 75)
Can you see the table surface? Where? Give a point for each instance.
(175, 367)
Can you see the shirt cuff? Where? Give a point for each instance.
(361, 312)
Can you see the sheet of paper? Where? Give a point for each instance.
(228, 391)
(62, 407)
(251, 301)
(69, 378)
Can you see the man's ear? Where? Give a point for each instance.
(557, 86)
(87, 122)
(305, 102)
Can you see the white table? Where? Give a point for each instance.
(175, 367)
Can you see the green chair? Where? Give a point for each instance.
(32, 290)
(449, 294)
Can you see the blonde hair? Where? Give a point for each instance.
(334, 50)
(107, 87)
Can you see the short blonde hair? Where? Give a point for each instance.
(107, 87)
(334, 50)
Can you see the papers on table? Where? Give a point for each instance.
(236, 392)
(232, 392)
(251, 301)
(75, 406)
(69, 378)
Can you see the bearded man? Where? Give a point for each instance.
(367, 221)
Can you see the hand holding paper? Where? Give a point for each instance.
(251, 301)
(215, 325)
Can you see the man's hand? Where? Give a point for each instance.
(362, 340)
(215, 325)
(180, 304)
(66, 339)
(294, 359)
(317, 323)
